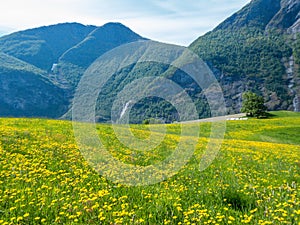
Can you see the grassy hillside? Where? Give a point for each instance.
(254, 179)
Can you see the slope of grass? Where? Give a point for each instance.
(281, 127)
(45, 180)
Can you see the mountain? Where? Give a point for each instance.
(101, 40)
(39, 68)
(26, 91)
(257, 49)
(43, 46)
(265, 15)
(77, 59)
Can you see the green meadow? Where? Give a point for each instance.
(255, 178)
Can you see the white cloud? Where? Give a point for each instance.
(174, 21)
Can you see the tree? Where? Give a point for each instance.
(253, 105)
(152, 121)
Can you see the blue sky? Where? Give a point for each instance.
(172, 21)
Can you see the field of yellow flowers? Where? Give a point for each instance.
(255, 178)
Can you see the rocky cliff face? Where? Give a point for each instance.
(287, 20)
(287, 16)
(292, 9)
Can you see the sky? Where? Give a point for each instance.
(171, 21)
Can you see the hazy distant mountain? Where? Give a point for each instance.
(43, 46)
(101, 40)
(29, 84)
(77, 59)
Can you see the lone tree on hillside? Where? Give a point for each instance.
(253, 105)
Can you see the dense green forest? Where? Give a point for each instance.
(247, 53)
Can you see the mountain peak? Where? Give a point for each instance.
(99, 41)
(115, 27)
(44, 45)
(59, 27)
(287, 15)
(264, 14)
(114, 24)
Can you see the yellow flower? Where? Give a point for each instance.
(231, 218)
(253, 211)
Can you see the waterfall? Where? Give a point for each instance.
(290, 70)
(125, 109)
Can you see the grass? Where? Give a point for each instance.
(254, 180)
